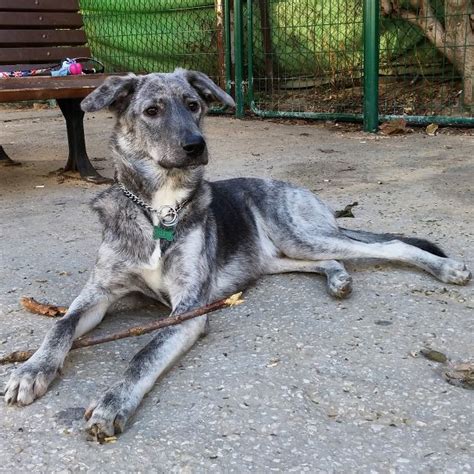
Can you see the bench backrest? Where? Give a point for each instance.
(40, 32)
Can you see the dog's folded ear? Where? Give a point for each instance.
(115, 92)
(206, 88)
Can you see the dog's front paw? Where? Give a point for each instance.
(28, 382)
(454, 272)
(109, 415)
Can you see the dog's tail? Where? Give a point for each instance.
(369, 237)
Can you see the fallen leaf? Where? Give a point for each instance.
(431, 129)
(435, 356)
(347, 211)
(41, 308)
(461, 374)
(394, 127)
(40, 106)
(234, 300)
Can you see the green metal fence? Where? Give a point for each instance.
(159, 35)
(304, 59)
(308, 59)
(355, 60)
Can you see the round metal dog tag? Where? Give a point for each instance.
(168, 215)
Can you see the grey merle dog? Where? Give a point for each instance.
(185, 241)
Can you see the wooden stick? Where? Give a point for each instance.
(234, 300)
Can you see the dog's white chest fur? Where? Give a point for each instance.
(152, 272)
(169, 196)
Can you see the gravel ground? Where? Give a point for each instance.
(290, 381)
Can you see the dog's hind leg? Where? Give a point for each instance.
(342, 248)
(31, 379)
(339, 282)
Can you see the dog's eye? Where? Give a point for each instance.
(193, 106)
(151, 111)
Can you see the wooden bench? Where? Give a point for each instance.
(40, 34)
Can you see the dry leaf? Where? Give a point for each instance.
(435, 356)
(347, 211)
(41, 308)
(394, 127)
(431, 129)
(234, 300)
(461, 374)
(17, 356)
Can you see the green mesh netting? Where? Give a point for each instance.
(309, 37)
(312, 60)
(316, 55)
(152, 35)
(314, 37)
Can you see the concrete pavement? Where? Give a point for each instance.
(290, 381)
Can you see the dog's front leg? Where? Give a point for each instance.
(110, 414)
(31, 379)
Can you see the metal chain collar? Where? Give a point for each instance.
(167, 215)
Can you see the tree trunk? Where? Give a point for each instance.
(459, 37)
(454, 39)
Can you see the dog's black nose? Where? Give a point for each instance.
(194, 145)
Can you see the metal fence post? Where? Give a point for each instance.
(371, 64)
(239, 58)
(228, 47)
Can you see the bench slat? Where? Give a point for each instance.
(23, 67)
(42, 37)
(40, 5)
(40, 20)
(43, 87)
(40, 55)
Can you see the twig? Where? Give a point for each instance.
(234, 300)
(39, 308)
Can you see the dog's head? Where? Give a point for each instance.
(159, 115)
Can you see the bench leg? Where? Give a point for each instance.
(5, 160)
(78, 159)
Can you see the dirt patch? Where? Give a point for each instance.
(412, 97)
